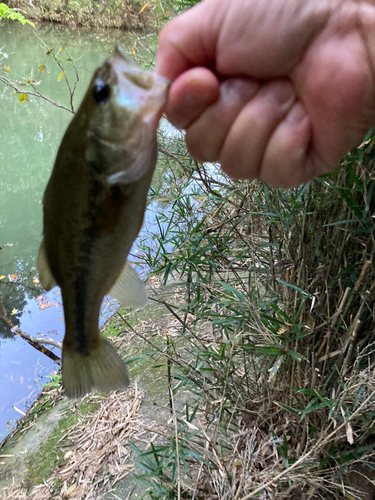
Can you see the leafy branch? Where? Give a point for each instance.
(8, 13)
(63, 71)
(24, 94)
(36, 93)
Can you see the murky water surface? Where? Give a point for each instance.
(30, 134)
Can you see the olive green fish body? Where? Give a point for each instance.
(108, 228)
(93, 209)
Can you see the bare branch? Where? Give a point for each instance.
(75, 83)
(39, 340)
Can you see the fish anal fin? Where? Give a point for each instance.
(45, 276)
(102, 369)
(129, 290)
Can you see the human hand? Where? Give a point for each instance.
(276, 90)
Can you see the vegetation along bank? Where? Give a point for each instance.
(124, 14)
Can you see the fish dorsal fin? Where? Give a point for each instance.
(45, 276)
(129, 290)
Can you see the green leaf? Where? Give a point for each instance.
(233, 291)
(341, 222)
(290, 409)
(264, 349)
(294, 287)
(297, 356)
(128, 361)
(198, 457)
(309, 392)
(8, 13)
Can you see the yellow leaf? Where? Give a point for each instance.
(30, 80)
(76, 492)
(61, 76)
(14, 311)
(308, 321)
(7, 69)
(70, 490)
(41, 67)
(23, 97)
(62, 49)
(349, 496)
(283, 330)
(2, 276)
(133, 52)
(143, 8)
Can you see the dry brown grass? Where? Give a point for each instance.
(99, 455)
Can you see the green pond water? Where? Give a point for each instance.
(30, 134)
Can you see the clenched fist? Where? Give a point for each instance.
(277, 90)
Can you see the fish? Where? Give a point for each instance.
(93, 209)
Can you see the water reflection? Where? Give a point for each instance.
(29, 137)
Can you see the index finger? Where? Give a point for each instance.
(189, 40)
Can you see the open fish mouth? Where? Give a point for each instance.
(150, 91)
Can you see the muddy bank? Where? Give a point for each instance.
(121, 14)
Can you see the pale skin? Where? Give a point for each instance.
(277, 90)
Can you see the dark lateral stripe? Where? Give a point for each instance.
(85, 265)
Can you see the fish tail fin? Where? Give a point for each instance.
(102, 368)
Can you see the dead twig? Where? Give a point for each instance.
(39, 340)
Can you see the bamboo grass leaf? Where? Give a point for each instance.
(294, 287)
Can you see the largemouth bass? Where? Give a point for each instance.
(93, 206)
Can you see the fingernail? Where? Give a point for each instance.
(296, 114)
(197, 93)
(238, 90)
(280, 92)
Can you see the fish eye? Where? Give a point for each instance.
(101, 92)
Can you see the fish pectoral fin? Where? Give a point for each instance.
(129, 290)
(45, 276)
(102, 368)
